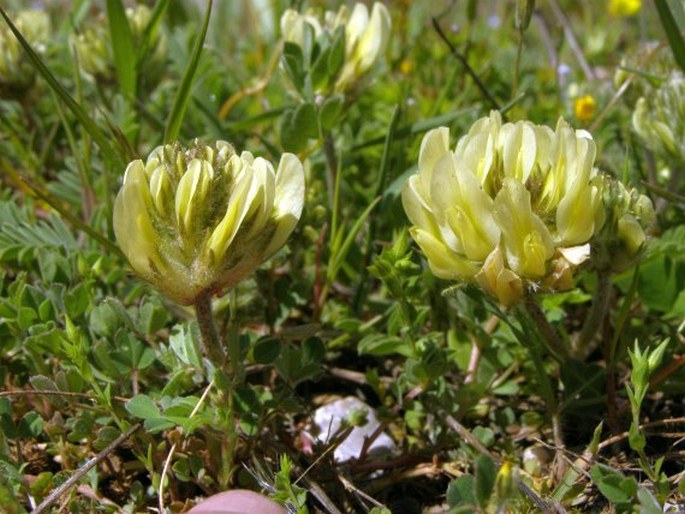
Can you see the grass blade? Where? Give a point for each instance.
(78, 111)
(173, 126)
(122, 47)
(675, 38)
(340, 254)
(151, 30)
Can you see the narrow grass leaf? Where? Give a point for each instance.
(339, 257)
(178, 110)
(78, 111)
(151, 30)
(122, 48)
(675, 38)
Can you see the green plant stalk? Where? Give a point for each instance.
(213, 348)
(331, 168)
(228, 438)
(373, 225)
(517, 65)
(541, 334)
(210, 341)
(598, 312)
(548, 335)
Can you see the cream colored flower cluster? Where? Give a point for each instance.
(195, 221)
(366, 37)
(512, 208)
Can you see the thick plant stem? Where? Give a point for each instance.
(211, 344)
(546, 330)
(600, 306)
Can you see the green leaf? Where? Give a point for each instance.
(660, 281)
(106, 435)
(381, 344)
(484, 482)
(122, 47)
(613, 485)
(186, 348)
(173, 126)
(266, 350)
(330, 112)
(460, 491)
(336, 56)
(151, 30)
(298, 126)
(142, 406)
(31, 425)
(648, 503)
(340, 253)
(673, 34)
(293, 63)
(108, 317)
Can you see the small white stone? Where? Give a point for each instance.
(329, 418)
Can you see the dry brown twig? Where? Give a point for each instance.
(79, 473)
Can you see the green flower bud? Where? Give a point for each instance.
(523, 14)
(16, 72)
(198, 220)
(94, 47)
(659, 118)
(629, 216)
(512, 208)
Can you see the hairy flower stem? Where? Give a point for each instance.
(211, 344)
(331, 165)
(548, 334)
(600, 305)
(229, 373)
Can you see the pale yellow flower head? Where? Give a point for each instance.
(512, 208)
(366, 37)
(16, 72)
(197, 220)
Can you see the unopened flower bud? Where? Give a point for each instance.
(523, 14)
(16, 72)
(659, 118)
(630, 215)
(94, 47)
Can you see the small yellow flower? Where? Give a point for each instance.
(624, 7)
(197, 220)
(511, 209)
(406, 66)
(584, 107)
